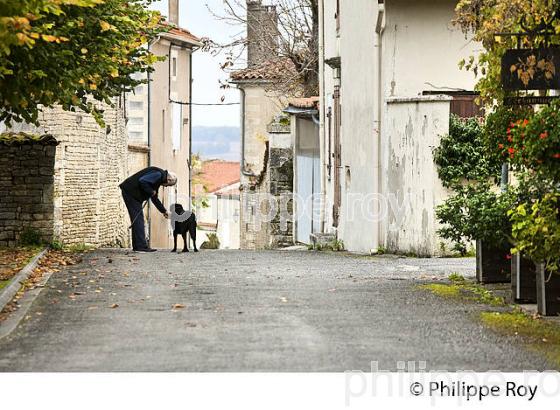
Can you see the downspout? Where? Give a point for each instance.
(189, 164)
(243, 164)
(379, 27)
(316, 119)
(322, 132)
(149, 222)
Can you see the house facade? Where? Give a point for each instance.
(389, 79)
(266, 142)
(217, 203)
(159, 121)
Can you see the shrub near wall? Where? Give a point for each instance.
(26, 186)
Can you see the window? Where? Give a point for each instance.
(136, 135)
(136, 105)
(139, 89)
(174, 56)
(136, 121)
(177, 126)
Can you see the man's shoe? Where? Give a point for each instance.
(146, 250)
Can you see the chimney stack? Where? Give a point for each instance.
(174, 12)
(262, 32)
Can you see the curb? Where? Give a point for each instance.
(10, 291)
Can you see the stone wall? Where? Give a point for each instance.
(281, 171)
(267, 201)
(261, 107)
(90, 163)
(26, 191)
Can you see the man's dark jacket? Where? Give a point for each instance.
(145, 184)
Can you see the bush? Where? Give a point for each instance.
(534, 143)
(476, 212)
(536, 230)
(465, 165)
(461, 153)
(30, 237)
(495, 130)
(212, 242)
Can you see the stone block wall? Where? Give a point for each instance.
(26, 191)
(254, 228)
(281, 176)
(89, 164)
(265, 225)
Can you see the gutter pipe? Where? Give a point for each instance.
(243, 163)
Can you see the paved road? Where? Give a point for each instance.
(253, 311)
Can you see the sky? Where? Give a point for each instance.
(195, 17)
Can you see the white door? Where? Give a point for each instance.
(308, 184)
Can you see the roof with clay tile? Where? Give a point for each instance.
(218, 174)
(179, 33)
(307, 102)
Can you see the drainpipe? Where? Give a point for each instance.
(243, 169)
(149, 221)
(189, 164)
(322, 132)
(316, 119)
(379, 27)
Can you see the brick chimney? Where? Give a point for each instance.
(262, 32)
(174, 12)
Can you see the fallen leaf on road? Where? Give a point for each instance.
(332, 290)
(178, 306)
(114, 305)
(284, 300)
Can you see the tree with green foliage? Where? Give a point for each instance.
(71, 53)
(475, 210)
(486, 20)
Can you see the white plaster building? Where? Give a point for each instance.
(389, 80)
(221, 215)
(159, 121)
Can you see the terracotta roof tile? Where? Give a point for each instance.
(218, 174)
(182, 33)
(309, 102)
(269, 70)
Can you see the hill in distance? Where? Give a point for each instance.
(217, 142)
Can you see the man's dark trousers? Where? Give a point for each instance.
(136, 214)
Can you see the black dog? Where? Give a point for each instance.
(181, 228)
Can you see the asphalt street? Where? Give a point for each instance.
(254, 311)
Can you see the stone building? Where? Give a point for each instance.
(219, 189)
(85, 205)
(266, 147)
(383, 107)
(66, 186)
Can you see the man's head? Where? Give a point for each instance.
(171, 179)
